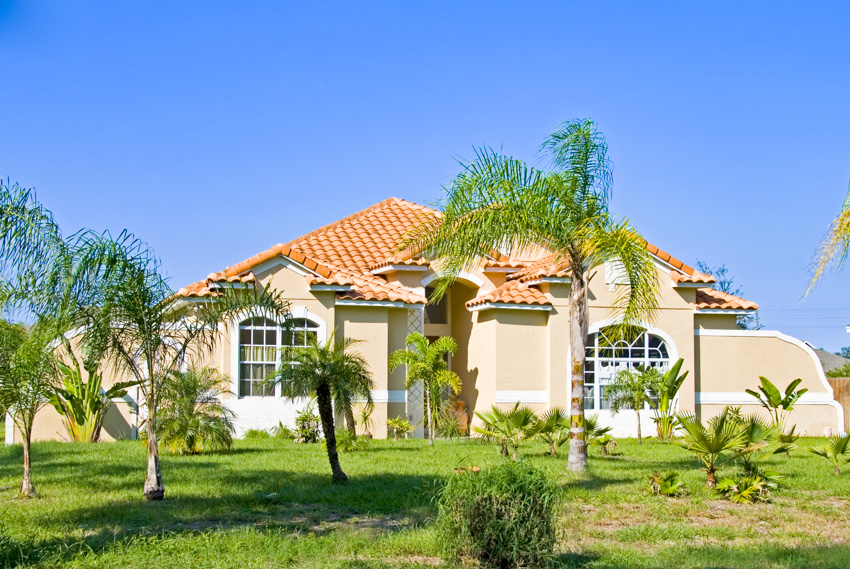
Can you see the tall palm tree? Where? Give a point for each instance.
(426, 366)
(501, 203)
(330, 371)
(834, 250)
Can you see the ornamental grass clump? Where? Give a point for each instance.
(500, 517)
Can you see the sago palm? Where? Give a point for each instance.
(710, 443)
(426, 366)
(192, 418)
(508, 428)
(501, 203)
(324, 370)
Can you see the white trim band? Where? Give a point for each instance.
(521, 397)
(389, 396)
(744, 398)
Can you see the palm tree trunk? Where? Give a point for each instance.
(323, 397)
(154, 486)
(837, 470)
(350, 423)
(578, 338)
(637, 411)
(710, 478)
(27, 489)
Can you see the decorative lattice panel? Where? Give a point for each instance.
(415, 395)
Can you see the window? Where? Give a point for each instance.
(435, 313)
(260, 340)
(607, 355)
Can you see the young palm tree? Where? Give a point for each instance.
(501, 203)
(837, 451)
(192, 418)
(26, 383)
(723, 435)
(554, 428)
(426, 366)
(630, 388)
(508, 428)
(664, 390)
(328, 370)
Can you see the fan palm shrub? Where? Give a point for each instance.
(745, 489)
(592, 428)
(711, 444)
(553, 428)
(630, 390)
(507, 428)
(836, 451)
(664, 390)
(502, 203)
(426, 366)
(606, 443)
(757, 433)
(325, 370)
(668, 484)
(192, 418)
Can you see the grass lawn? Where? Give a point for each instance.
(91, 512)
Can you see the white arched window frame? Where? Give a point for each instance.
(605, 357)
(265, 356)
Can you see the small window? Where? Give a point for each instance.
(435, 313)
(257, 356)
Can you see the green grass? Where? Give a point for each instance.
(90, 512)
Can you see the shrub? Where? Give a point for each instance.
(283, 432)
(399, 427)
(346, 442)
(256, 435)
(606, 444)
(836, 451)
(500, 517)
(307, 426)
(668, 484)
(745, 489)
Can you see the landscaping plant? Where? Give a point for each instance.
(399, 427)
(778, 405)
(500, 517)
(500, 203)
(307, 425)
(365, 418)
(553, 428)
(607, 444)
(507, 428)
(711, 443)
(592, 428)
(664, 389)
(192, 417)
(836, 451)
(83, 404)
(426, 366)
(747, 488)
(630, 390)
(668, 484)
(324, 370)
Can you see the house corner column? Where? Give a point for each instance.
(10, 429)
(415, 396)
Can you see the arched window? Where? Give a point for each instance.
(607, 354)
(260, 340)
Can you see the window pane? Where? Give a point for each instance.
(244, 336)
(270, 356)
(244, 388)
(589, 396)
(257, 338)
(271, 337)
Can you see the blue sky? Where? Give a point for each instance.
(214, 130)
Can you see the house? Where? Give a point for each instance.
(511, 321)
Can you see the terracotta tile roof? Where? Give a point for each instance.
(545, 267)
(668, 258)
(375, 288)
(708, 298)
(337, 280)
(207, 287)
(513, 292)
(395, 260)
(504, 264)
(697, 278)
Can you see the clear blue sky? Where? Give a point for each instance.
(214, 130)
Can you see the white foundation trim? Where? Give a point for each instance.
(827, 397)
(521, 397)
(509, 306)
(744, 398)
(10, 429)
(389, 396)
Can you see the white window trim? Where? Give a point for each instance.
(294, 312)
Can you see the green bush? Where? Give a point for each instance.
(283, 432)
(668, 484)
(500, 517)
(307, 426)
(345, 442)
(256, 435)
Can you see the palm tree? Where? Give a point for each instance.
(327, 370)
(723, 435)
(501, 203)
(834, 250)
(836, 451)
(426, 366)
(630, 388)
(26, 382)
(508, 428)
(192, 418)
(553, 428)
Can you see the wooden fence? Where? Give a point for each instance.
(841, 389)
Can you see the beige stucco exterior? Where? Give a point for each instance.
(515, 353)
